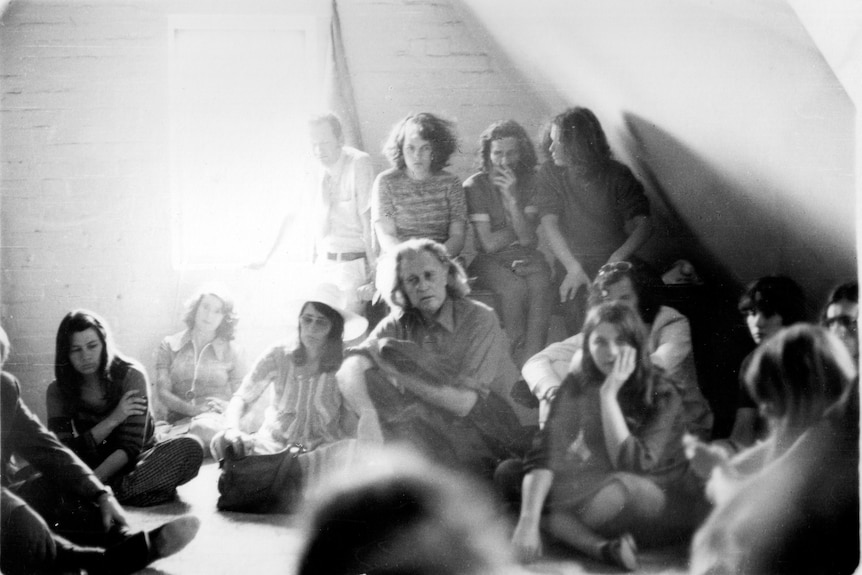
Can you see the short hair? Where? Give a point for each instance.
(645, 281)
(226, 329)
(508, 129)
(67, 377)
(633, 331)
(389, 271)
(582, 136)
(438, 132)
(800, 371)
(405, 515)
(773, 295)
(333, 349)
(328, 118)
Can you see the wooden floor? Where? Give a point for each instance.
(269, 544)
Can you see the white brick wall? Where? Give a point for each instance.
(84, 175)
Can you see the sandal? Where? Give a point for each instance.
(622, 552)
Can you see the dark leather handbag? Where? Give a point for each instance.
(269, 483)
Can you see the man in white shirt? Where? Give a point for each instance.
(344, 251)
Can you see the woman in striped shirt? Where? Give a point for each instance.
(98, 406)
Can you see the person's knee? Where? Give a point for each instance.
(351, 381)
(27, 544)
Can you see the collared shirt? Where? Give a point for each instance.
(218, 371)
(468, 334)
(343, 201)
(485, 203)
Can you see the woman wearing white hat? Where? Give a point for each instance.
(306, 404)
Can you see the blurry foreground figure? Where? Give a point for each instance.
(798, 510)
(401, 514)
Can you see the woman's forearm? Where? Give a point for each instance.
(234, 412)
(534, 491)
(111, 465)
(640, 230)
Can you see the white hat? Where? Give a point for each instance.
(330, 295)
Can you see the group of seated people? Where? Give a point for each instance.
(600, 443)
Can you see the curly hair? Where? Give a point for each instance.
(800, 371)
(226, 329)
(583, 137)
(508, 129)
(333, 350)
(773, 295)
(645, 281)
(389, 271)
(438, 132)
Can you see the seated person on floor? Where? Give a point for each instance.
(768, 304)
(436, 371)
(199, 368)
(68, 496)
(500, 205)
(790, 504)
(98, 406)
(592, 208)
(306, 419)
(669, 344)
(417, 197)
(842, 316)
(608, 467)
(403, 514)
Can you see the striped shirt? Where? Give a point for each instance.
(72, 421)
(419, 208)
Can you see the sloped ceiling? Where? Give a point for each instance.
(728, 110)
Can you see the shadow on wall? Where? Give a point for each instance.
(733, 234)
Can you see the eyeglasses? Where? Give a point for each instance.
(614, 267)
(844, 321)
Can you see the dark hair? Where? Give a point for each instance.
(407, 518)
(333, 350)
(639, 385)
(508, 129)
(328, 118)
(389, 271)
(225, 330)
(112, 364)
(800, 371)
(773, 295)
(645, 281)
(438, 132)
(582, 137)
(845, 292)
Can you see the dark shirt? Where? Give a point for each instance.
(593, 208)
(572, 442)
(22, 434)
(72, 420)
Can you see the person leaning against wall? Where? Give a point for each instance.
(340, 188)
(592, 208)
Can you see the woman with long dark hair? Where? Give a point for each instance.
(608, 466)
(306, 405)
(98, 406)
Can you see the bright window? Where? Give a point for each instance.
(241, 90)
